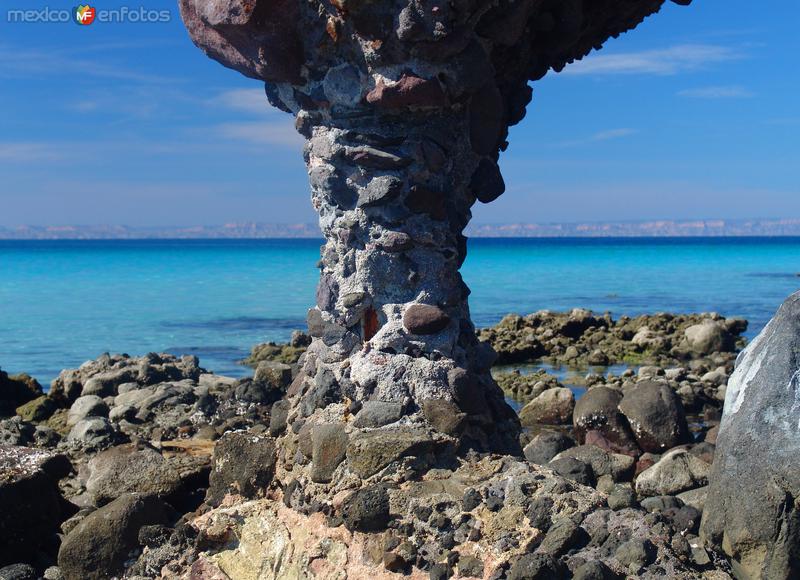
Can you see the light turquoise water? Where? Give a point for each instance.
(62, 303)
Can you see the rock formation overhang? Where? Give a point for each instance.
(400, 54)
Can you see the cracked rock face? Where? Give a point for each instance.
(405, 106)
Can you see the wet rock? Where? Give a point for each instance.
(243, 464)
(378, 414)
(552, 407)
(677, 471)
(598, 410)
(329, 447)
(31, 509)
(655, 415)
(367, 510)
(546, 445)
(101, 543)
(425, 319)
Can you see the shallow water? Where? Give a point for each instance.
(64, 302)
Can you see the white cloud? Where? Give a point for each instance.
(718, 92)
(666, 61)
(28, 152)
(245, 100)
(263, 133)
(599, 136)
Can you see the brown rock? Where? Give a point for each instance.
(409, 91)
(425, 319)
(443, 415)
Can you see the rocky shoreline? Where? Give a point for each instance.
(178, 465)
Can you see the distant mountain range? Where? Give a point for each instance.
(654, 228)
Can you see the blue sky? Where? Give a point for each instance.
(692, 115)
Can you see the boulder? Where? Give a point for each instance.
(86, 406)
(443, 415)
(552, 407)
(598, 410)
(709, 337)
(677, 471)
(98, 547)
(276, 375)
(573, 469)
(15, 391)
(655, 415)
(619, 467)
(39, 409)
(243, 464)
(130, 468)
(752, 506)
(92, 433)
(546, 445)
(31, 509)
(16, 431)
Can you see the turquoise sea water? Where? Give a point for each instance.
(64, 302)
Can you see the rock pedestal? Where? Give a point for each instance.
(752, 509)
(405, 106)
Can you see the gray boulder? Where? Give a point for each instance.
(552, 407)
(92, 433)
(752, 509)
(86, 406)
(655, 415)
(677, 471)
(129, 468)
(547, 445)
(98, 547)
(709, 337)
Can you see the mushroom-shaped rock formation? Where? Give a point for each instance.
(405, 105)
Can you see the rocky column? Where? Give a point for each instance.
(406, 106)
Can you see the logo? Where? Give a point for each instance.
(85, 15)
